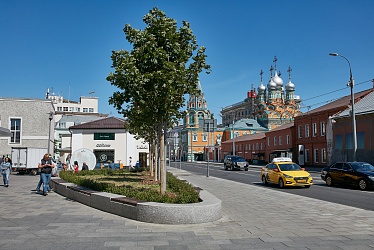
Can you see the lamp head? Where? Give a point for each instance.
(333, 54)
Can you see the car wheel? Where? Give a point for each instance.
(264, 180)
(362, 184)
(281, 183)
(329, 181)
(34, 172)
(225, 166)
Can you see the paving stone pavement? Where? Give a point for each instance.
(252, 218)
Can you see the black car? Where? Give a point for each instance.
(359, 174)
(234, 162)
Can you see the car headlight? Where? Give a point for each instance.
(287, 176)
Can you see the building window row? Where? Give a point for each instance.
(76, 109)
(306, 133)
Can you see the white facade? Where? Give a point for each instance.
(109, 144)
(30, 122)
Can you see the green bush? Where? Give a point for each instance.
(177, 191)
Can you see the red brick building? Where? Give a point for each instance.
(251, 147)
(310, 128)
(280, 142)
(342, 146)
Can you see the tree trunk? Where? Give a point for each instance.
(162, 163)
(155, 161)
(151, 153)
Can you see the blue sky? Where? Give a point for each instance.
(57, 44)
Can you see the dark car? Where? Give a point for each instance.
(359, 174)
(234, 162)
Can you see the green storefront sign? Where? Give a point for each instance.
(104, 136)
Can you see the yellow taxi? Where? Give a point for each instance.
(284, 172)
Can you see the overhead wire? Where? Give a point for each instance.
(331, 100)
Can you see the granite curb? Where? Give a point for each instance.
(208, 210)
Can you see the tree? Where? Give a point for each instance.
(154, 76)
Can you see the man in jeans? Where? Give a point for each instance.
(46, 166)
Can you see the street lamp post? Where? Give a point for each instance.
(351, 84)
(233, 137)
(50, 117)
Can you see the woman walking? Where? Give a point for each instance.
(46, 166)
(5, 171)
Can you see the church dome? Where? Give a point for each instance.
(290, 86)
(261, 88)
(272, 84)
(278, 81)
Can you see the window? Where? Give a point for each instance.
(85, 110)
(323, 160)
(249, 146)
(194, 137)
(306, 130)
(360, 140)
(280, 140)
(71, 109)
(66, 109)
(78, 109)
(15, 129)
(288, 139)
(59, 108)
(323, 128)
(314, 127)
(299, 131)
(275, 141)
(349, 141)
(256, 146)
(306, 155)
(316, 156)
(338, 142)
(268, 141)
(205, 137)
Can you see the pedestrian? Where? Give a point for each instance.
(76, 167)
(46, 166)
(64, 166)
(5, 171)
(84, 166)
(130, 163)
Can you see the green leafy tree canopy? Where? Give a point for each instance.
(154, 76)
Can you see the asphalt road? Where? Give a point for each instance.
(349, 196)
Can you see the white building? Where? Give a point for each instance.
(29, 121)
(109, 141)
(87, 105)
(70, 113)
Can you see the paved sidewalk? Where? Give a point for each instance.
(253, 218)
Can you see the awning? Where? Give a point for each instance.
(4, 132)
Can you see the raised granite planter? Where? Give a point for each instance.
(208, 210)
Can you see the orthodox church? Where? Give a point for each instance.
(273, 105)
(197, 138)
